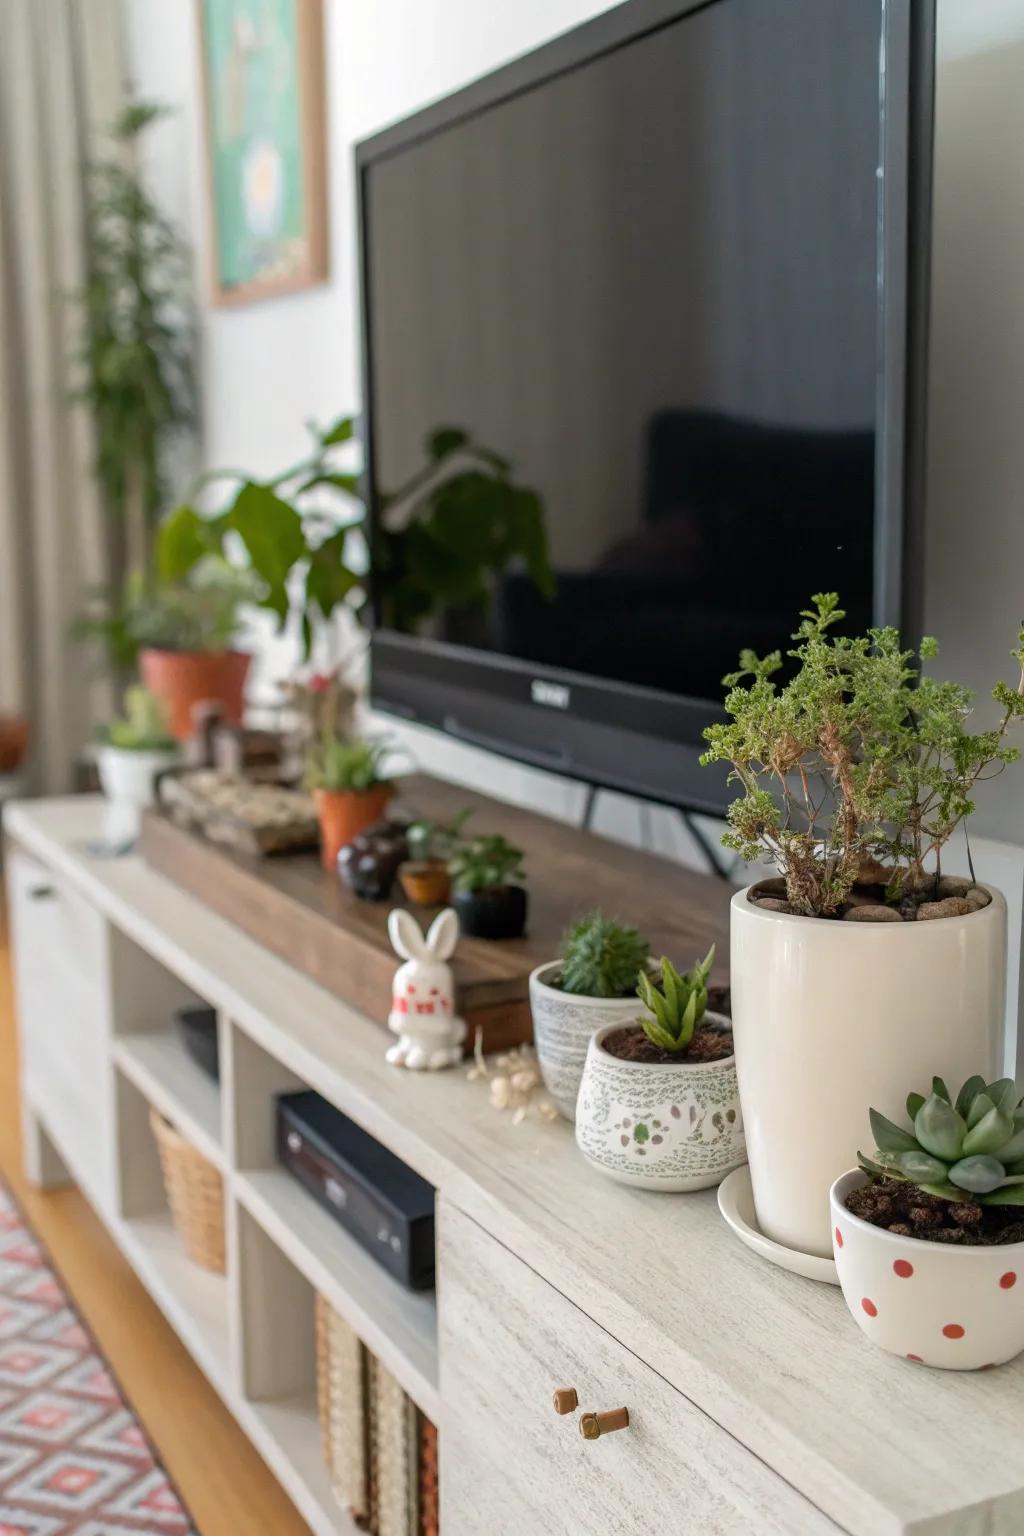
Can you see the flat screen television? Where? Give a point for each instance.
(668, 273)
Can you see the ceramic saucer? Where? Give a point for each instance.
(736, 1203)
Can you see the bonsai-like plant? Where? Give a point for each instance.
(676, 1008)
(436, 839)
(201, 613)
(457, 522)
(135, 351)
(967, 1149)
(485, 864)
(340, 765)
(143, 727)
(601, 958)
(857, 758)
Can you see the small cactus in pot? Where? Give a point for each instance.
(602, 958)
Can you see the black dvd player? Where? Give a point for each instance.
(377, 1198)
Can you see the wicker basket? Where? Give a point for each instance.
(195, 1194)
(341, 1362)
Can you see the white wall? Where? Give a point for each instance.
(270, 366)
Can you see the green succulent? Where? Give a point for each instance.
(486, 863)
(601, 958)
(967, 1148)
(676, 1007)
(143, 727)
(338, 764)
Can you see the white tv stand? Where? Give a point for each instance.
(755, 1404)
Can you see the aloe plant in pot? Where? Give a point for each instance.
(350, 789)
(591, 984)
(929, 1231)
(658, 1104)
(859, 964)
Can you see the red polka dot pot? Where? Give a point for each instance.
(958, 1309)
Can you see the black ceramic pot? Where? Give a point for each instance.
(368, 865)
(497, 913)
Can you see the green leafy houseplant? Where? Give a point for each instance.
(601, 958)
(970, 1148)
(436, 839)
(342, 766)
(486, 863)
(200, 613)
(456, 523)
(143, 727)
(135, 355)
(675, 1010)
(858, 757)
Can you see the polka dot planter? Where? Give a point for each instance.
(672, 1126)
(956, 1308)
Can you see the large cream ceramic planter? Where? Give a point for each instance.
(671, 1126)
(562, 1026)
(832, 1017)
(958, 1308)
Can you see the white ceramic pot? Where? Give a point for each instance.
(670, 1126)
(940, 1304)
(562, 1026)
(128, 780)
(830, 1018)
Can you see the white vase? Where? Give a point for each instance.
(831, 1018)
(957, 1308)
(128, 779)
(659, 1125)
(562, 1026)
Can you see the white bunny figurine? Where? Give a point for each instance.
(430, 1035)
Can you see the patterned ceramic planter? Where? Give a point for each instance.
(960, 1309)
(671, 1126)
(562, 1026)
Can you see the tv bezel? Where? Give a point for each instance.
(601, 732)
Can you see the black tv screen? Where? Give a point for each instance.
(642, 296)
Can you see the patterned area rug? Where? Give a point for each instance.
(74, 1460)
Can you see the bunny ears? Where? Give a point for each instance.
(407, 939)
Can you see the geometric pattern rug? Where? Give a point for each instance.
(74, 1460)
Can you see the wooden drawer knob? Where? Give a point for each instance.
(566, 1400)
(594, 1425)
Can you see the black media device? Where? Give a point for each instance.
(381, 1202)
(673, 267)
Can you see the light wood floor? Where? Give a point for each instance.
(221, 1477)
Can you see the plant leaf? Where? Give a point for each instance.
(921, 1167)
(990, 1134)
(969, 1091)
(979, 1109)
(939, 1129)
(914, 1102)
(940, 1090)
(888, 1136)
(1009, 1194)
(979, 1175)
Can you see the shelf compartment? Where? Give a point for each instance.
(286, 1431)
(398, 1325)
(194, 1301)
(164, 1073)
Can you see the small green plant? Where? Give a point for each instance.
(339, 764)
(857, 757)
(677, 1006)
(601, 958)
(485, 863)
(436, 839)
(202, 613)
(143, 727)
(967, 1148)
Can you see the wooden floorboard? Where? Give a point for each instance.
(221, 1477)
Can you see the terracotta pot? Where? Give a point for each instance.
(426, 882)
(344, 813)
(13, 742)
(183, 679)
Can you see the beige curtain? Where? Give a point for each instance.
(61, 79)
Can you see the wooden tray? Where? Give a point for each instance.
(295, 908)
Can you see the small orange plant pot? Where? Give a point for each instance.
(183, 679)
(426, 882)
(344, 813)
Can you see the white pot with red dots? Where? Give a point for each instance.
(956, 1307)
(671, 1126)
